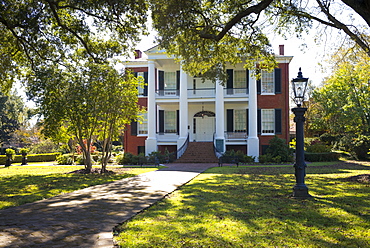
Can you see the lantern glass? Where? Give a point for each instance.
(299, 85)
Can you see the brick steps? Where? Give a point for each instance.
(198, 152)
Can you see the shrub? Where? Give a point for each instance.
(9, 151)
(242, 158)
(46, 157)
(329, 139)
(278, 151)
(357, 145)
(24, 150)
(64, 159)
(321, 157)
(316, 146)
(45, 146)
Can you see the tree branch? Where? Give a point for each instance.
(256, 9)
(339, 25)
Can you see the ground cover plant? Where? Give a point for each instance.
(24, 184)
(251, 207)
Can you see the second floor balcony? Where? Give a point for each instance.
(202, 93)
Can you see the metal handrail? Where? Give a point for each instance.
(183, 148)
(217, 152)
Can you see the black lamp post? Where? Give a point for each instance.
(299, 85)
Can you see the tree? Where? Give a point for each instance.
(38, 31)
(91, 99)
(205, 35)
(342, 104)
(13, 115)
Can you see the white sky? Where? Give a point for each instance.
(307, 58)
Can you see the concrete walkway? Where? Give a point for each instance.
(86, 218)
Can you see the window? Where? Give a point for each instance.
(240, 79)
(141, 85)
(267, 121)
(267, 82)
(170, 80)
(170, 125)
(143, 126)
(240, 120)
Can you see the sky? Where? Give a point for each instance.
(308, 56)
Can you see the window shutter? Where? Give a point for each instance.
(135, 74)
(230, 120)
(277, 81)
(146, 83)
(161, 121)
(278, 124)
(178, 121)
(259, 82)
(258, 86)
(247, 77)
(247, 120)
(161, 80)
(133, 128)
(259, 121)
(230, 78)
(177, 80)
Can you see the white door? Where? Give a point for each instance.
(204, 128)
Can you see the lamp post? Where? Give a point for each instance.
(299, 85)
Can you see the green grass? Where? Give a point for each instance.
(252, 207)
(24, 184)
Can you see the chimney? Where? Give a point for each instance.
(138, 54)
(281, 50)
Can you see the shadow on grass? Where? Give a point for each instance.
(20, 189)
(252, 208)
(75, 219)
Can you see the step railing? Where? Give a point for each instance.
(183, 148)
(217, 152)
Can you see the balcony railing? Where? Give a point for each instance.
(205, 92)
(236, 92)
(236, 136)
(168, 93)
(167, 137)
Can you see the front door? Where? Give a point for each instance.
(204, 128)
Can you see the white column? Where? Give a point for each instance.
(220, 116)
(151, 141)
(183, 105)
(253, 141)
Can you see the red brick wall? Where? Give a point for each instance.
(277, 101)
(131, 142)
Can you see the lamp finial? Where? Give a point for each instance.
(300, 73)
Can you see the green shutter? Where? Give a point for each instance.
(277, 72)
(278, 123)
(230, 120)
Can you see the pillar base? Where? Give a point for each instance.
(150, 146)
(301, 191)
(253, 148)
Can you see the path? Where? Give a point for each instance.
(86, 218)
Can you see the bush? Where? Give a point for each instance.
(24, 150)
(316, 146)
(45, 146)
(329, 139)
(242, 158)
(47, 157)
(64, 159)
(357, 145)
(277, 152)
(321, 157)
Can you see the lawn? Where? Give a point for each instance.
(252, 207)
(24, 184)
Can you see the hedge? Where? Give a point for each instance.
(44, 157)
(321, 157)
